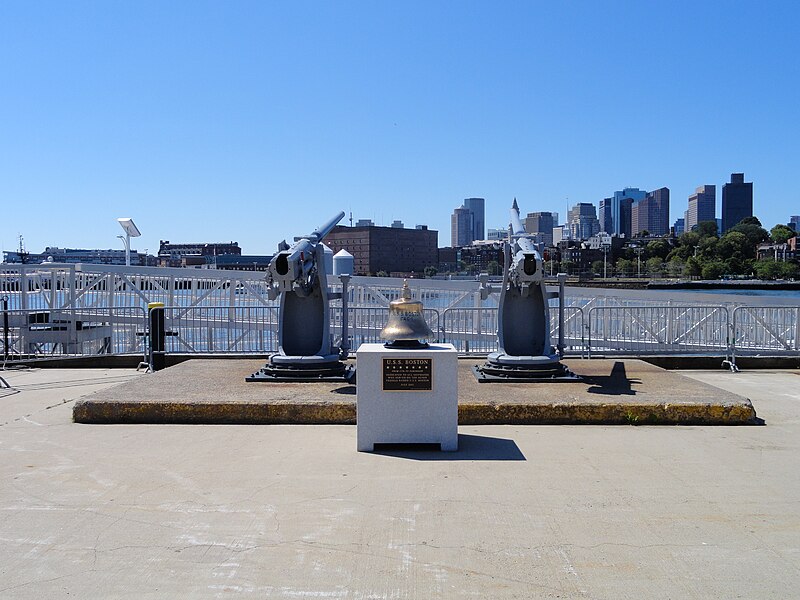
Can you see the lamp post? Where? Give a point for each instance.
(638, 250)
(130, 231)
(606, 246)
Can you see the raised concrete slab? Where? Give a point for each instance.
(612, 392)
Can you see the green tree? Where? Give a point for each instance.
(625, 267)
(567, 266)
(734, 244)
(675, 267)
(430, 271)
(381, 274)
(493, 268)
(713, 269)
(754, 232)
(655, 267)
(693, 267)
(657, 248)
(781, 233)
(707, 229)
(597, 267)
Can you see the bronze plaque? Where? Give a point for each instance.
(407, 374)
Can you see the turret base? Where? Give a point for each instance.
(304, 370)
(522, 369)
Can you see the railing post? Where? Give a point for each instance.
(5, 328)
(345, 345)
(157, 336)
(562, 280)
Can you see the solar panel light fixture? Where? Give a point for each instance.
(131, 230)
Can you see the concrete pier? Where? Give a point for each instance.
(623, 392)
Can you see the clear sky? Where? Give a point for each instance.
(255, 121)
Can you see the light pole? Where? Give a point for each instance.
(130, 231)
(605, 245)
(638, 250)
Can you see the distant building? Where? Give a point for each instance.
(794, 223)
(541, 223)
(192, 254)
(651, 214)
(737, 201)
(365, 223)
(679, 226)
(604, 215)
(560, 233)
(621, 205)
(53, 254)
(497, 234)
(448, 259)
(702, 206)
(582, 221)
(388, 249)
(477, 206)
(397, 224)
(478, 256)
(461, 227)
(242, 262)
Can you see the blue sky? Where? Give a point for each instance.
(255, 121)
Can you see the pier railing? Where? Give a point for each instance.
(601, 331)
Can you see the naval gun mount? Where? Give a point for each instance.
(306, 351)
(526, 352)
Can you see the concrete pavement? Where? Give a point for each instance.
(282, 511)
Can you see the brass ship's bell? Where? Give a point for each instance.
(406, 326)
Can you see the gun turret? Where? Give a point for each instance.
(295, 269)
(526, 266)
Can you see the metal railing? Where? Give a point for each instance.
(765, 330)
(640, 330)
(35, 334)
(474, 330)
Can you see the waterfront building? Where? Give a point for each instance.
(702, 206)
(541, 223)
(242, 262)
(651, 214)
(737, 201)
(54, 254)
(388, 249)
(583, 222)
(192, 254)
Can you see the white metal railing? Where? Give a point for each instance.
(766, 330)
(640, 330)
(34, 334)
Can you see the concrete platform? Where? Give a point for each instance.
(630, 392)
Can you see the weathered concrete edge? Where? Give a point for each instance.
(344, 413)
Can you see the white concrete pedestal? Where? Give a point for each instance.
(387, 415)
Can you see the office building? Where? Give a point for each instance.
(604, 215)
(541, 223)
(461, 227)
(794, 223)
(583, 222)
(477, 206)
(497, 234)
(702, 206)
(737, 201)
(389, 249)
(651, 214)
(193, 254)
(621, 206)
(679, 226)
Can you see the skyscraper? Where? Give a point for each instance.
(737, 201)
(461, 227)
(478, 209)
(621, 209)
(652, 213)
(541, 223)
(604, 215)
(702, 206)
(794, 222)
(582, 221)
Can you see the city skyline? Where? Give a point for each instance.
(204, 121)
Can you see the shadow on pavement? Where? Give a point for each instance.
(616, 384)
(470, 447)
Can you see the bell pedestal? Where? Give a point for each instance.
(407, 396)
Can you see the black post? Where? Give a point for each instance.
(157, 336)
(5, 328)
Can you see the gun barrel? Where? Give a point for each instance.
(517, 228)
(320, 232)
